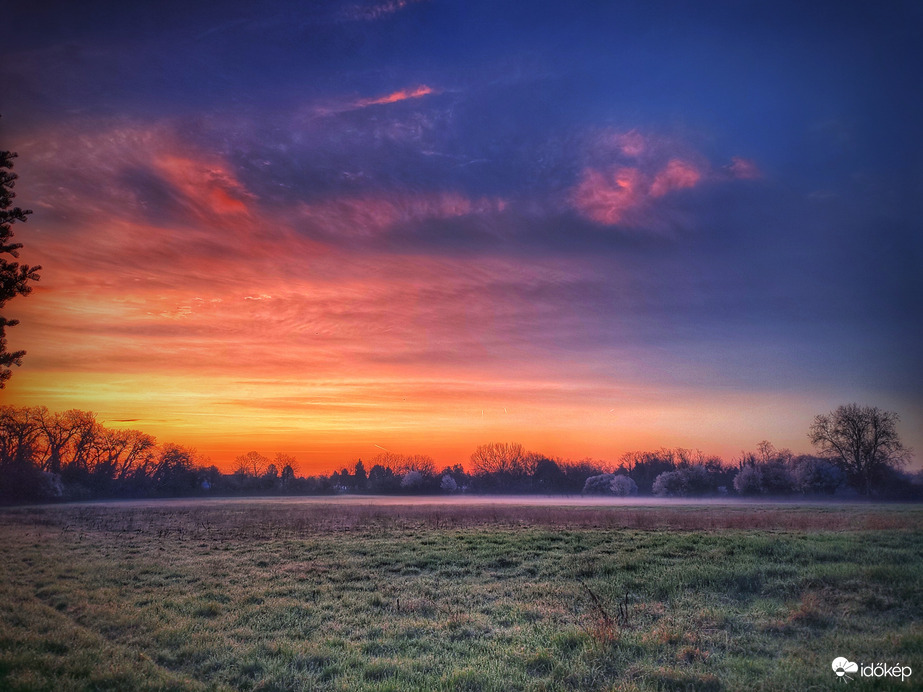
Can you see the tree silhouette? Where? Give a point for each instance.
(499, 457)
(251, 464)
(862, 441)
(14, 277)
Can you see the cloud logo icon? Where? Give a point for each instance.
(841, 666)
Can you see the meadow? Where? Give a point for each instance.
(327, 595)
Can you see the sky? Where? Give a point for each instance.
(335, 228)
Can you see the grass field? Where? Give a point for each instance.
(352, 596)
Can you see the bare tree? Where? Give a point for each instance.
(861, 440)
(288, 468)
(85, 444)
(60, 431)
(127, 452)
(499, 457)
(283, 461)
(251, 464)
(20, 434)
(400, 464)
(173, 471)
(39, 449)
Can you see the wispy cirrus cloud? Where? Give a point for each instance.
(179, 256)
(207, 187)
(365, 216)
(374, 11)
(339, 105)
(396, 96)
(744, 169)
(133, 172)
(180, 251)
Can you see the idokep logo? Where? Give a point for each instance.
(843, 667)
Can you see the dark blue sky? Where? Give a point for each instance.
(715, 197)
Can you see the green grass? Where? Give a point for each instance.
(282, 596)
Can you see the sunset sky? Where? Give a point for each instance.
(333, 228)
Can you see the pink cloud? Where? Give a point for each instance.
(625, 195)
(607, 197)
(339, 105)
(675, 176)
(400, 95)
(744, 169)
(628, 175)
(632, 144)
(115, 173)
(102, 232)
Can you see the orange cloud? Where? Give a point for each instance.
(207, 187)
(401, 95)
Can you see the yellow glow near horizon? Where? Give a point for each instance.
(329, 425)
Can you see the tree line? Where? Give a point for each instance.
(46, 456)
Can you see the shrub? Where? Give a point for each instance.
(816, 476)
(623, 486)
(412, 480)
(598, 485)
(686, 481)
(777, 479)
(749, 480)
(770, 478)
(668, 484)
